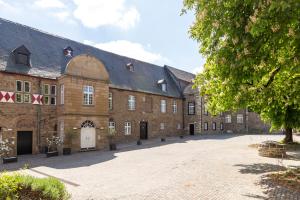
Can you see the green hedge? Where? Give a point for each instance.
(16, 186)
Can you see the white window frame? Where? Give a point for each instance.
(29, 85)
(29, 98)
(110, 100)
(205, 126)
(221, 126)
(54, 90)
(228, 119)
(21, 95)
(62, 94)
(21, 86)
(111, 126)
(131, 102)
(174, 106)
(205, 109)
(240, 118)
(178, 126)
(191, 108)
(162, 126)
(163, 106)
(127, 128)
(52, 97)
(164, 87)
(88, 95)
(44, 89)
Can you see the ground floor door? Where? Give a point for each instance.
(24, 142)
(143, 130)
(192, 129)
(88, 137)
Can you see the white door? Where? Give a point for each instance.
(88, 137)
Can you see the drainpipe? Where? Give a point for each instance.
(38, 116)
(183, 124)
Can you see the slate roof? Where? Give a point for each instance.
(47, 60)
(180, 74)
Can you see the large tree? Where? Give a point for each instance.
(252, 51)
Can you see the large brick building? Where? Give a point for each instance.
(51, 85)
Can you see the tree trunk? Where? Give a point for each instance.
(288, 135)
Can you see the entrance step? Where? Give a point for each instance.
(87, 149)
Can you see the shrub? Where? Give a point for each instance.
(23, 187)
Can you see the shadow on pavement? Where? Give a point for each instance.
(259, 168)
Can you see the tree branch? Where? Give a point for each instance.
(271, 79)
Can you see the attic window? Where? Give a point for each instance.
(22, 56)
(130, 67)
(68, 52)
(162, 83)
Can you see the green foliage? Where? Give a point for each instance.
(252, 50)
(16, 186)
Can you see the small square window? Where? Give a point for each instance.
(27, 98)
(19, 98)
(19, 86)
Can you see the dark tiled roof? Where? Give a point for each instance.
(48, 60)
(180, 74)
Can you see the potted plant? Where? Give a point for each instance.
(68, 141)
(53, 142)
(111, 135)
(5, 150)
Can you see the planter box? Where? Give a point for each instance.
(10, 160)
(112, 147)
(52, 154)
(163, 139)
(67, 151)
(139, 142)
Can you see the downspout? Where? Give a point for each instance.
(183, 122)
(38, 108)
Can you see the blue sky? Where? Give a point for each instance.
(152, 31)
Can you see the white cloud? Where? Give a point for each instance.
(6, 7)
(49, 4)
(96, 13)
(130, 49)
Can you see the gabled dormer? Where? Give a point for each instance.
(162, 84)
(22, 56)
(68, 51)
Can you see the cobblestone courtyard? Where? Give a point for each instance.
(200, 167)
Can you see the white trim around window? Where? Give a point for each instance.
(163, 106)
(131, 102)
(62, 94)
(127, 128)
(88, 95)
(228, 119)
(174, 106)
(240, 118)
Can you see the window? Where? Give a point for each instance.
(178, 126)
(27, 98)
(110, 101)
(27, 86)
(228, 119)
(205, 126)
(46, 100)
(162, 126)
(131, 102)
(127, 128)
(53, 89)
(22, 59)
(19, 98)
(239, 118)
(221, 126)
(61, 130)
(163, 106)
(19, 86)
(88, 94)
(111, 127)
(62, 94)
(191, 108)
(164, 87)
(205, 111)
(214, 125)
(53, 101)
(46, 89)
(174, 106)
(130, 67)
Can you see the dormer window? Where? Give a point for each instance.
(22, 56)
(130, 67)
(68, 52)
(162, 83)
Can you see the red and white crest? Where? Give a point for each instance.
(37, 99)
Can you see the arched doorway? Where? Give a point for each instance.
(88, 135)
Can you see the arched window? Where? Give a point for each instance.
(88, 124)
